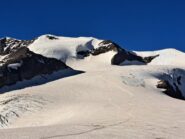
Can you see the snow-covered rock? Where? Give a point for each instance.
(7, 44)
(22, 64)
(67, 48)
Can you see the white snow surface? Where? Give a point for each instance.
(104, 102)
(166, 57)
(63, 48)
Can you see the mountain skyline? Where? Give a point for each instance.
(136, 25)
(84, 87)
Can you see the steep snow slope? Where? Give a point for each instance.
(106, 101)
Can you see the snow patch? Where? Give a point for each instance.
(14, 66)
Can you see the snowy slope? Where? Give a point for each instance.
(62, 48)
(105, 101)
(167, 57)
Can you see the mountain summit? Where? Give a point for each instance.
(84, 87)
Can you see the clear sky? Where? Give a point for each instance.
(134, 24)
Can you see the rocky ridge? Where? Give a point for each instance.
(18, 63)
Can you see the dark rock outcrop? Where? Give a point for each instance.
(169, 90)
(172, 84)
(82, 54)
(105, 46)
(120, 56)
(51, 37)
(123, 55)
(149, 58)
(22, 64)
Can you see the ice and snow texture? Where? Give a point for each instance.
(104, 102)
(14, 106)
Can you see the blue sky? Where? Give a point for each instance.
(134, 24)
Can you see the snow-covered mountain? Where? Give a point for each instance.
(64, 87)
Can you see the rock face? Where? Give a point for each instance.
(120, 56)
(51, 37)
(169, 90)
(105, 46)
(173, 83)
(22, 64)
(8, 45)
